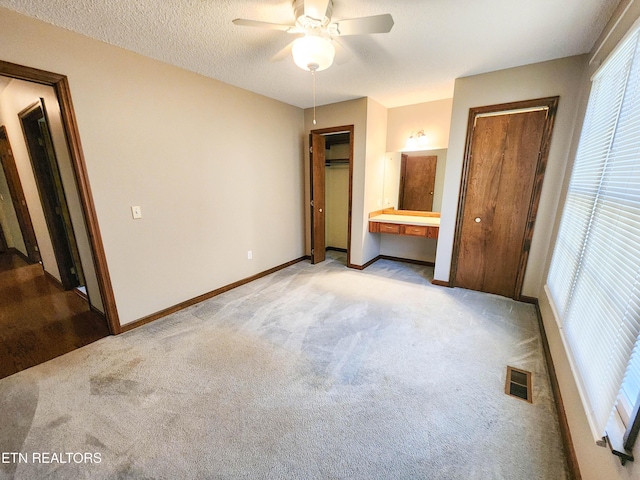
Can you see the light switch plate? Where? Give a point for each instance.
(136, 211)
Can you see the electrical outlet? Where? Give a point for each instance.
(136, 212)
(249, 255)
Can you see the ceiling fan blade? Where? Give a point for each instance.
(343, 55)
(364, 25)
(255, 23)
(316, 8)
(282, 54)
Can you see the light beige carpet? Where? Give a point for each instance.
(315, 372)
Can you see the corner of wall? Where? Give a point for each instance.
(376, 149)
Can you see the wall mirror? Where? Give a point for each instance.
(414, 180)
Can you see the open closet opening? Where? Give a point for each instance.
(337, 191)
(331, 179)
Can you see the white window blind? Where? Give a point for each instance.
(594, 274)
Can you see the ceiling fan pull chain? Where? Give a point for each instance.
(313, 74)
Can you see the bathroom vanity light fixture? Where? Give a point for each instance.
(416, 141)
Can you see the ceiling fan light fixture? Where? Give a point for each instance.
(313, 53)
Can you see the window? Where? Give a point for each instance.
(594, 279)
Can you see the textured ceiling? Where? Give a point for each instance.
(432, 42)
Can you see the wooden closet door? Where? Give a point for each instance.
(317, 143)
(504, 170)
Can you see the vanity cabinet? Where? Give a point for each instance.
(404, 229)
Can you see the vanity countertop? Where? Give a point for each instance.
(406, 219)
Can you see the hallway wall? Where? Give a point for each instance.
(16, 97)
(8, 218)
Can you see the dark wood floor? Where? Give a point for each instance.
(38, 320)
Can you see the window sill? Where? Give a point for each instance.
(615, 439)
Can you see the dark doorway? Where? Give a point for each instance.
(3, 242)
(37, 134)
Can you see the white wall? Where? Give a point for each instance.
(561, 77)
(217, 170)
(432, 117)
(595, 462)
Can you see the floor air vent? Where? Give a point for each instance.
(519, 384)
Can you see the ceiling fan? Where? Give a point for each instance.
(315, 48)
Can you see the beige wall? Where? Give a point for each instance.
(432, 117)
(352, 112)
(374, 178)
(412, 248)
(561, 77)
(441, 168)
(369, 169)
(336, 205)
(16, 97)
(337, 197)
(8, 218)
(435, 119)
(217, 170)
(391, 185)
(370, 127)
(423, 249)
(595, 462)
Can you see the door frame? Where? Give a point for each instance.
(51, 198)
(60, 84)
(3, 241)
(19, 202)
(325, 131)
(551, 103)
